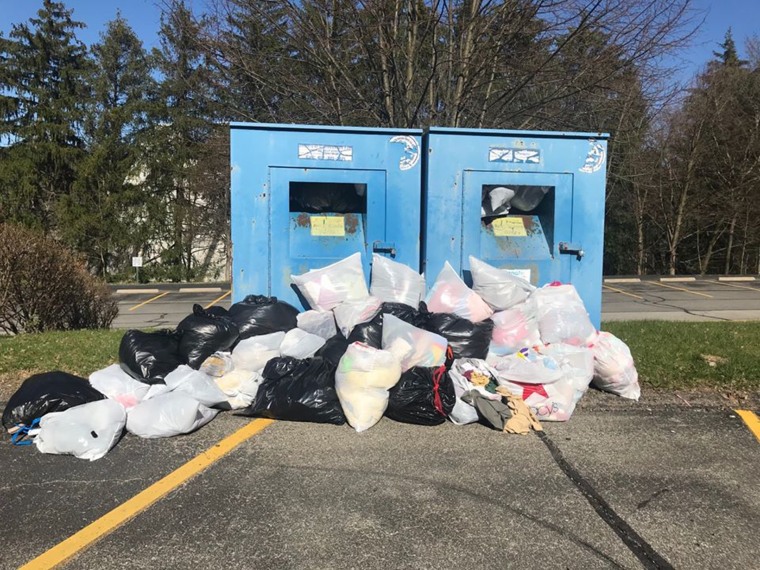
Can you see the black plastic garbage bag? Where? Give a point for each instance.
(202, 334)
(466, 339)
(150, 356)
(334, 349)
(371, 332)
(298, 390)
(257, 315)
(423, 396)
(48, 392)
(218, 311)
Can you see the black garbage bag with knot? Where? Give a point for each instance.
(150, 356)
(298, 390)
(423, 396)
(44, 393)
(204, 333)
(257, 315)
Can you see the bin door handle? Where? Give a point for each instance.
(572, 249)
(383, 247)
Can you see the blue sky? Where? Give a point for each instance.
(743, 16)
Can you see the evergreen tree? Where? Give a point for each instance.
(729, 56)
(104, 216)
(41, 114)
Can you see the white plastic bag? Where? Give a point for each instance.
(300, 344)
(320, 323)
(514, 329)
(526, 366)
(462, 369)
(351, 313)
(328, 287)
(196, 384)
(240, 387)
(362, 381)
(577, 363)
(218, 364)
(254, 352)
(394, 282)
(119, 386)
(169, 414)
(498, 287)
(88, 431)
(412, 346)
(562, 317)
(451, 295)
(614, 369)
(549, 402)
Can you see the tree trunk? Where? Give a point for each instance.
(731, 229)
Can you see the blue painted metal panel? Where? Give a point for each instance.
(460, 162)
(271, 242)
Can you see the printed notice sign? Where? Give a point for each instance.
(328, 226)
(509, 227)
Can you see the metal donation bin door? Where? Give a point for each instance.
(526, 230)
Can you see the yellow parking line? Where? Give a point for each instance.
(622, 292)
(215, 301)
(678, 288)
(751, 420)
(738, 286)
(112, 520)
(149, 300)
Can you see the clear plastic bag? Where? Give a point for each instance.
(514, 329)
(498, 287)
(240, 387)
(218, 364)
(253, 353)
(168, 415)
(88, 431)
(464, 413)
(363, 378)
(614, 369)
(328, 287)
(320, 323)
(394, 282)
(411, 345)
(352, 313)
(562, 316)
(451, 295)
(195, 384)
(527, 366)
(577, 363)
(300, 344)
(553, 402)
(119, 386)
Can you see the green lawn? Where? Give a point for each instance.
(673, 355)
(668, 355)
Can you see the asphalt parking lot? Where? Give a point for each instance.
(653, 298)
(679, 489)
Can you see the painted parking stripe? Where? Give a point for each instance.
(735, 286)
(149, 300)
(112, 520)
(215, 301)
(684, 289)
(752, 421)
(623, 292)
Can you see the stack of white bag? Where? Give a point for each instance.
(362, 381)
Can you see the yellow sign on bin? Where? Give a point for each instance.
(509, 227)
(328, 226)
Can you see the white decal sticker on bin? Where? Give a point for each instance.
(325, 152)
(327, 226)
(509, 227)
(595, 158)
(519, 155)
(411, 154)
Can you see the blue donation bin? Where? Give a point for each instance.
(528, 201)
(303, 197)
